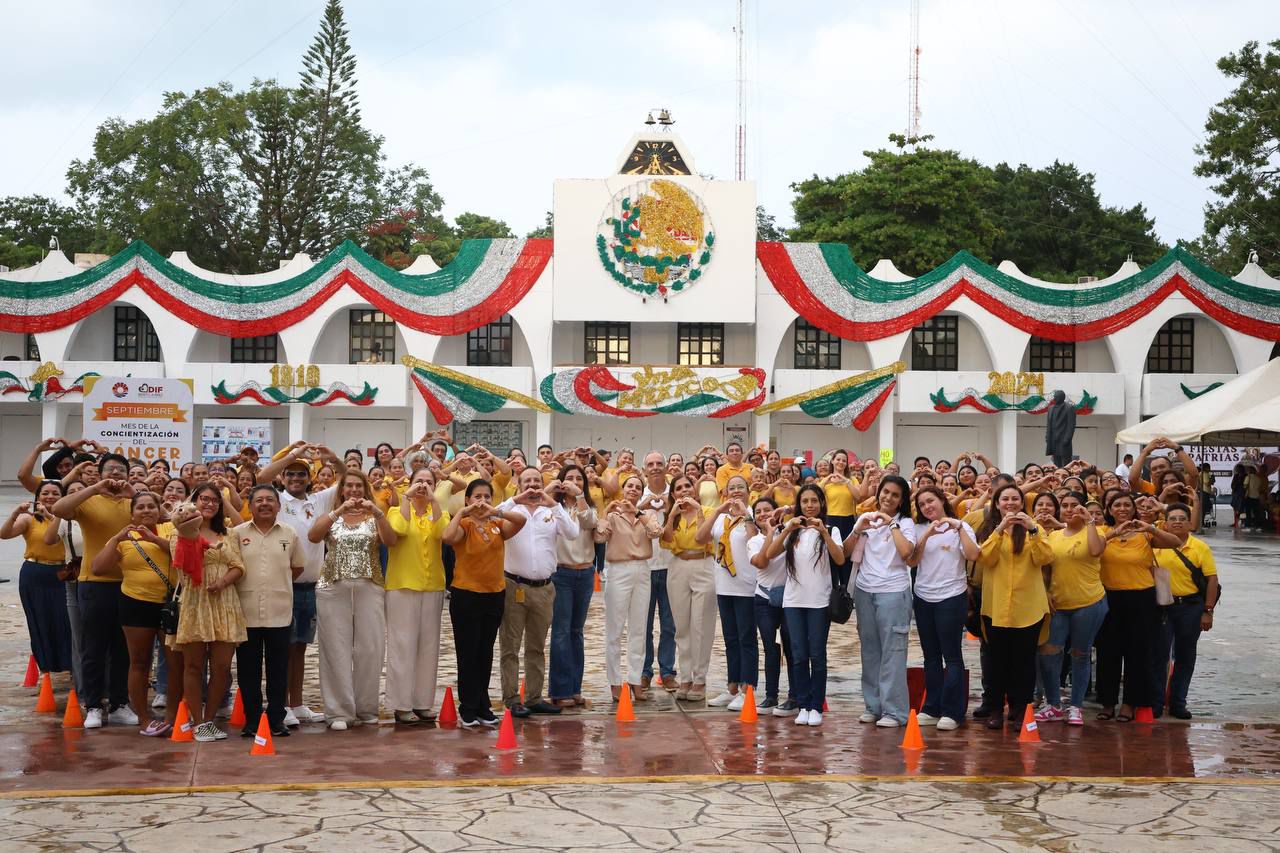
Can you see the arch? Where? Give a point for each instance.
(1212, 348)
(1093, 356)
(969, 331)
(13, 347)
(94, 337)
(332, 343)
(452, 350)
(207, 347)
(854, 355)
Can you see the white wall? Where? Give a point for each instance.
(333, 344)
(661, 432)
(792, 433)
(972, 352)
(19, 432)
(1091, 357)
(944, 436)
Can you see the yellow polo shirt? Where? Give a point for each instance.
(726, 471)
(1126, 563)
(683, 535)
(1198, 553)
(101, 517)
(414, 562)
(839, 498)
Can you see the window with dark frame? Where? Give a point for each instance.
(256, 350)
(30, 348)
(816, 349)
(607, 343)
(700, 344)
(491, 344)
(1173, 350)
(1052, 356)
(135, 338)
(935, 343)
(370, 327)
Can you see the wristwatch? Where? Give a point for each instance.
(895, 526)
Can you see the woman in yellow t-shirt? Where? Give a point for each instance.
(40, 581)
(785, 489)
(708, 489)
(1079, 604)
(691, 586)
(842, 493)
(1132, 625)
(140, 554)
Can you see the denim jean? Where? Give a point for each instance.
(884, 618)
(770, 620)
(808, 627)
(574, 588)
(1181, 633)
(738, 626)
(659, 601)
(1077, 627)
(941, 628)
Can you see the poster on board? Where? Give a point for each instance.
(1222, 459)
(224, 437)
(145, 418)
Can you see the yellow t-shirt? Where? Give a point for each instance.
(708, 494)
(101, 517)
(479, 557)
(683, 535)
(1013, 594)
(140, 580)
(1198, 553)
(36, 549)
(414, 562)
(785, 496)
(839, 498)
(1126, 563)
(455, 502)
(1077, 574)
(726, 471)
(596, 495)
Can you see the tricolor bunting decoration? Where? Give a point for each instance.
(852, 402)
(273, 396)
(484, 281)
(453, 396)
(1191, 395)
(823, 284)
(989, 404)
(596, 390)
(45, 386)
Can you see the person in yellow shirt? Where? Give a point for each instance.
(843, 493)
(707, 490)
(1132, 624)
(1079, 605)
(733, 466)
(415, 600)
(785, 488)
(691, 586)
(1195, 595)
(1012, 559)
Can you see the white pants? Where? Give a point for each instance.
(352, 627)
(691, 588)
(626, 603)
(413, 648)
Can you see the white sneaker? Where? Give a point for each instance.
(722, 700)
(802, 719)
(290, 719)
(926, 719)
(945, 724)
(159, 701)
(338, 726)
(304, 714)
(815, 718)
(867, 717)
(888, 723)
(224, 713)
(93, 718)
(122, 716)
(738, 702)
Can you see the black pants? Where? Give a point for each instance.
(104, 656)
(273, 643)
(1013, 666)
(1125, 643)
(476, 617)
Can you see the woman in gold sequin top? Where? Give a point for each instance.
(350, 603)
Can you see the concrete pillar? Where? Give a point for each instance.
(1007, 441)
(885, 430)
(419, 417)
(541, 430)
(53, 419)
(299, 421)
(761, 430)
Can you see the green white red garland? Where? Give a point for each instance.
(992, 403)
(272, 396)
(44, 391)
(593, 390)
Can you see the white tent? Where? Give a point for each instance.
(1247, 407)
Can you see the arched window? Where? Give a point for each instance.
(1173, 350)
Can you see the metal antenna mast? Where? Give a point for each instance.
(740, 135)
(913, 83)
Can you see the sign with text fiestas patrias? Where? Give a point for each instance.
(143, 418)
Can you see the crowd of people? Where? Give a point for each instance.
(246, 562)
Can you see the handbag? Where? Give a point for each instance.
(840, 605)
(1164, 585)
(172, 606)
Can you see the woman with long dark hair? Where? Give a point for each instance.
(771, 582)
(574, 585)
(691, 586)
(40, 580)
(841, 496)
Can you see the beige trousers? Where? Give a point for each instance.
(351, 627)
(413, 648)
(691, 588)
(528, 621)
(626, 608)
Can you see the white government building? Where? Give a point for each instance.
(801, 313)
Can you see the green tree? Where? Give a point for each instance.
(31, 221)
(767, 227)
(547, 230)
(1241, 155)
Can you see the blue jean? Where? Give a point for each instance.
(659, 601)
(770, 620)
(808, 627)
(1181, 633)
(884, 618)
(738, 626)
(1079, 627)
(941, 628)
(574, 588)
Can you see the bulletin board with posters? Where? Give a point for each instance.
(224, 437)
(145, 418)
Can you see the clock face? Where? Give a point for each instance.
(655, 158)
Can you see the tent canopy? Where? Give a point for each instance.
(1245, 410)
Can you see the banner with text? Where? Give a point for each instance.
(140, 418)
(1222, 458)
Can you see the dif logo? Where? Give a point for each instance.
(148, 390)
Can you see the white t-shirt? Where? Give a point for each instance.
(1122, 471)
(743, 583)
(300, 514)
(661, 558)
(811, 587)
(941, 574)
(883, 570)
(775, 574)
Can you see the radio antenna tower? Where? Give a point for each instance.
(913, 80)
(740, 134)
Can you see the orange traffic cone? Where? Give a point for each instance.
(626, 713)
(507, 733)
(448, 711)
(72, 719)
(1141, 715)
(183, 729)
(825, 709)
(597, 587)
(237, 712)
(749, 713)
(262, 743)
(522, 691)
(913, 739)
(45, 704)
(33, 671)
(1030, 730)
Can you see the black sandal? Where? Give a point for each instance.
(1106, 714)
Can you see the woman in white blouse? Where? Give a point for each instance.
(941, 603)
(882, 601)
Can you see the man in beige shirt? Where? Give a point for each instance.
(272, 558)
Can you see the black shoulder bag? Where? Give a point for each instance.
(172, 603)
(1199, 579)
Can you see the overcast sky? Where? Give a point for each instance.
(497, 98)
